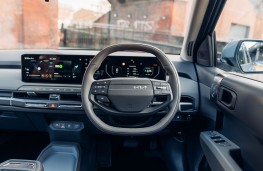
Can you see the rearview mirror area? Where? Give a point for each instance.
(244, 55)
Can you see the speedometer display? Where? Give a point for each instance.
(148, 67)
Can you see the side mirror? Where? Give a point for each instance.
(244, 55)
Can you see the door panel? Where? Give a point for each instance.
(244, 124)
(220, 151)
(240, 100)
(249, 102)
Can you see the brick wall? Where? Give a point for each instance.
(180, 16)
(10, 28)
(28, 24)
(241, 12)
(145, 15)
(40, 24)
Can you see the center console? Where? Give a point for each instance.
(58, 156)
(21, 165)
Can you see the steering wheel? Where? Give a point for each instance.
(130, 96)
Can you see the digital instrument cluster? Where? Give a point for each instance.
(70, 69)
(146, 67)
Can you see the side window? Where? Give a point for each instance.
(239, 37)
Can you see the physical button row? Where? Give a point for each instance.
(66, 125)
(99, 87)
(50, 89)
(161, 88)
(101, 82)
(162, 92)
(159, 83)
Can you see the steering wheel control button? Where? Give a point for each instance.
(99, 87)
(95, 91)
(157, 92)
(156, 83)
(166, 92)
(160, 87)
(164, 84)
(103, 99)
(102, 83)
(102, 91)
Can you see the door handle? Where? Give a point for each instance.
(227, 97)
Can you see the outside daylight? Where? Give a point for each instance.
(98, 23)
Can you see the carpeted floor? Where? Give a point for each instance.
(21, 145)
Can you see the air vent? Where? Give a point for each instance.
(187, 104)
(46, 96)
(27, 95)
(5, 94)
(5, 98)
(70, 97)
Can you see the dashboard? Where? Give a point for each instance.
(44, 68)
(45, 85)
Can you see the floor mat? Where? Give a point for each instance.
(136, 164)
(22, 145)
(135, 160)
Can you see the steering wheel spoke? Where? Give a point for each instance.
(130, 96)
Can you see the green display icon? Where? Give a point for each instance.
(60, 66)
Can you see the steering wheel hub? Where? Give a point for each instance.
(130, 95)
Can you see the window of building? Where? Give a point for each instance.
(238, 31)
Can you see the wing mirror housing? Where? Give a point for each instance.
(244, 55)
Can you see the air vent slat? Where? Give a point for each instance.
(70, 97)
(46, 96)
(5, 94)
(25, 95)
(187, 104)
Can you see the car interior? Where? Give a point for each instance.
(131, 106)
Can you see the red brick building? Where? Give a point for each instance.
(29, 24)
(36, 23)
(239, 19)
(149, 16)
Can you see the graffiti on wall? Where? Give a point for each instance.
(123, 23)
(140, 25)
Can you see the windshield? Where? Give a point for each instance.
(92, 24)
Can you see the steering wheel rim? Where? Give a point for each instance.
(88, 81)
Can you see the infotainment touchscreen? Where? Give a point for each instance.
(54, 68)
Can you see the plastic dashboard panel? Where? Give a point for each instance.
(10, 62)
